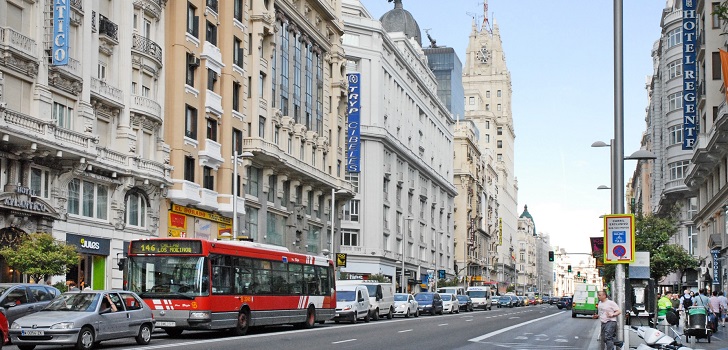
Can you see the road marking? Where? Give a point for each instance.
(442, 324)
(404, 331)
(468, 320)
(502, 330)
(343, 341)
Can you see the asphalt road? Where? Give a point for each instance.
(532, 327)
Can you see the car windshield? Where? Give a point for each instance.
(181, 277)
(505, 298)
(83, 302)
(345, 295)
(400, 297)
(462, 298)
(476, 293)
(446, 297)
(423, 297)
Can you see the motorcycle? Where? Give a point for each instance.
(656, 339)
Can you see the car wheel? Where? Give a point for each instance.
(243, 324)
(375, 315)
(390, 315)
(145, 334)
(26, 347)
(417, 313)
(85, 339)
(367, 318)
(407, 314)
(457, 311)
(173, 332)
(337, 321)
(573, 314)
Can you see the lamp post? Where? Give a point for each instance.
(237, 156)
(404, 244)
(333, 209)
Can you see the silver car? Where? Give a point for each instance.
(405, 304)
(84, 319)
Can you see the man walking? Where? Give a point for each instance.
(607, 315)
(723, 307)
(714, 308)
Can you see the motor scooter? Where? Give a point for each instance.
(656, 339)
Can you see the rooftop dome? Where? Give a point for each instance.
(526, 214)
(400, 20)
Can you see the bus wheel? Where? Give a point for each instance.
(310, 318)
(243, 323)
(173, 332)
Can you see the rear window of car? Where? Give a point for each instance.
(423, 297)
(462, 297)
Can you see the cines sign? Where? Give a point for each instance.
(353, 125)
(690, 43)
(61, 20)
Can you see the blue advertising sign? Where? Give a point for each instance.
(690, 46)
(353, 125)
(61, 21)
(716, 265)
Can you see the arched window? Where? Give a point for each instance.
(136, 210)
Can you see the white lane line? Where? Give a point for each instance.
(469, 320)
(405, 331)
(502, 330)
(343, 341)
(442, 324)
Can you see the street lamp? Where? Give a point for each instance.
(603, 187)
(404, 244)
(334, 192)
(237, 156)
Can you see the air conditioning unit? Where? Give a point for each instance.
(193, 61)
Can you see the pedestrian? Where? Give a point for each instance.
(663, 306)
(607, 315)
(714, 308)
(675, 301)
(686, 301)
(723, 307)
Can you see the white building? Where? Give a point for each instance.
(404, 192)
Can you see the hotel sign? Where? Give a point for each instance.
(61, 20)
(690, 46)
(353, 124)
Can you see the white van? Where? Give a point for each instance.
(352, 303)
(481, 297)
(451, 290)
(381, 297)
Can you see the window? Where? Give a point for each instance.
(261, 84)
(678, 170)
(145, 91)
(238, 52)
(715, 58)
(136, 210)
(101, 71)
(351, 210)
(471, 100)
(487, 106)
(251, 221)
(297, 81)
(261, 126)
(252, 186)
(674, 68)
(237, 141)
(238, 10)
(40, 182)
(715, 17)
(88, 199)
(385, 187)
(236, 96)
(211, 79)
(208, 180)
(674, 37)
(487, 124)
(63, 115)
(211, 33)
(191, 122)
(193, 21)
(313, 239)
(487, 94)
(487, 138)
(349, 238)
(498, 107)
(499, 130)
(499, 93)
(675, 101)
(211, 129)
(272, 185)
(499, 144)
(192, 65)
(189, 169)
(354, 179)
(499, 157)
(675, 134)
(692, 239)
(385, 216)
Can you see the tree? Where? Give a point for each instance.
(652, 234)
(40, 256)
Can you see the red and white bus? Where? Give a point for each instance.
(195, 284)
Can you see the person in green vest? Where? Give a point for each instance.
(663, 307)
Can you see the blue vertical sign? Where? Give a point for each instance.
(353, 124)
(690, 46)
(716, 265)
(61, 20)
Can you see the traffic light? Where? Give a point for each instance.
(551, 255)
(578, 273)
(569, 268)
(585, 280)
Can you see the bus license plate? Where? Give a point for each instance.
(165, 324)
(32, 333)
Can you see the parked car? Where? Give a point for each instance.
(450, 303)
(564, 303)
(554, 300)
(494, 301)
(352, 303)
(481, 297)
(466, 303)
(381, 301)
(3, 329)
(85, 318)
(405, 304)
(430, 303)
(20, 299)
(507, 301)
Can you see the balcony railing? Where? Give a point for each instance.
(147, 106)
(103, 89)
(108, 28)
(147, 47)
(13, 40)
(44, 130)
(78, 4)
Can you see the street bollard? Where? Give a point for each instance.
(626, 337)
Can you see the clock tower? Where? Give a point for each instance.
(487, 85)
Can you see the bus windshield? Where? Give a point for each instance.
(183, 277)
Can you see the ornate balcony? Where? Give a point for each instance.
(184, 192)
(68, 77)
(151, 7)
(148, 48)
(110, 93)
(108, 30)
(146, 106)
(31, 128)
(20, 52)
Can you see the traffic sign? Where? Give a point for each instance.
(441, 274)
(340, 259)
(619, 239)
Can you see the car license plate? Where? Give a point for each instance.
(32, 333)
(165, 324)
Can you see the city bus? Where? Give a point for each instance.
(195, 284)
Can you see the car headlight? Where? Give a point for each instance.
(400, 306)
(15, 325)
(199, 314)
(63, 325)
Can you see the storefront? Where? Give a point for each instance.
(93, 256)
(195, 223)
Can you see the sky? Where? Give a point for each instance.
(560, 55)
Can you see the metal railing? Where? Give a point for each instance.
(147, 46)
(108, 28)
(77, 4)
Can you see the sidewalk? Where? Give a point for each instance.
(718, 341)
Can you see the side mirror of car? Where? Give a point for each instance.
(9, 305)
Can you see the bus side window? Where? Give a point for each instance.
(243, 276)
(311, 282)
(295, 278)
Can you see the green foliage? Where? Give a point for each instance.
(721, 11)
(380, 278)
(510, 289)
(452, 282)
(40, 256)
(62, 286)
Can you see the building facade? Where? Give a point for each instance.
(400, 215)
(264, 80)
(82, 152)
(448, 70)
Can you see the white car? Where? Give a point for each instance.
(405, 304)
(450, 303)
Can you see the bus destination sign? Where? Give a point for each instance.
(171, 246)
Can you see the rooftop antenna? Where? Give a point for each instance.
(486, 23)
(433, 42)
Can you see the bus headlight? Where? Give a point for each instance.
(199, 315)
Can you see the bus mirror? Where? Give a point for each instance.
(121, 263)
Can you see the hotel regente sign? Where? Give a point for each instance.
(690, 43)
